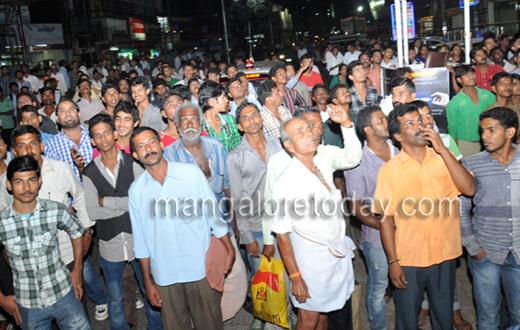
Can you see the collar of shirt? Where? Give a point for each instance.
(403, 157)
(39, 206)
(393, 149)
(224, 125)
(514, 159)
(171, 173)
(208, 152)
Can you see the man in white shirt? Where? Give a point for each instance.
(388, 61)
(333, 61)
(144, 63)
(36, 83)
(351, 55)
(307, 234)
(134, 66)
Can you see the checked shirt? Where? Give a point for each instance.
(40, 277)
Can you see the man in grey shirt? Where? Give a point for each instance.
(490, 220)
(150, 115)
(247, 167)
(106, 181)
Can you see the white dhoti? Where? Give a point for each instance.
(327, 270)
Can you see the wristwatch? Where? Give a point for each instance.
(89, 231)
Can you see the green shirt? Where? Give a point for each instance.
(228, 131)
(7, 120)
(463, 114)
(172, 82)
(452, 146)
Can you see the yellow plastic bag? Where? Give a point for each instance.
(268, 292)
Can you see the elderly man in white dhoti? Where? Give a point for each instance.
(311, 229)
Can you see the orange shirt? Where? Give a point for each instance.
(427, 231)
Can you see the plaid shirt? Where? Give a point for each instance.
(229, 135)
(40, 277)
(59, 148)
(292, 100)
(271, 124)
(371, 98)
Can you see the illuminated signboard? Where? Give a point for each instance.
(410, 23)
(471, 3)
(137, 29)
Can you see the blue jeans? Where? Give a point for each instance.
(67, 312)
(113, 272)
(377, 282)
(93, 286)
(488, 280)
(254, 263)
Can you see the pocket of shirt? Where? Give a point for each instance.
(47, 242)
(13, 247)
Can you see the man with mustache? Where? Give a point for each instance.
(107, 180)
(307, 236)
(210, 155)
(179, 284)
(484, 71)
(421, 246)
(88, 106)
(45, 289)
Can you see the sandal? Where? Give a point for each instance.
(464, 325)
(422, 318)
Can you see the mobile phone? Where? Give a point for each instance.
(75, 151)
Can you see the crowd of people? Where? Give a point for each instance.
(187, 175)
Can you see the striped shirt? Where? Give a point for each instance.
(292, 100)
(484, 80)
(59, 148)
(492, 224)
(229, 135)
(271, 124)
(40, 276)
(216, 154)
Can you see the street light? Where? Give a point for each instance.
(360, 8)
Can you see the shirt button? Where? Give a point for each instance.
(508, 203)
(507, 169)
(510, 248)
(510, 234)
(510, 219)
(508, 187)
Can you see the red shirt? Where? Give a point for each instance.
(311, 81)
(484, 80)
(167, 140)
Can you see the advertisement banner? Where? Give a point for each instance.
(41, 34)
(432, 85)
(137, 31)
(410, 24)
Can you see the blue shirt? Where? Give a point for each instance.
(175, 244)
(65, 74)
(234, 106)
(215, 152)
(46, 137)
(59, 148)
(494, 224)
(361, 183)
